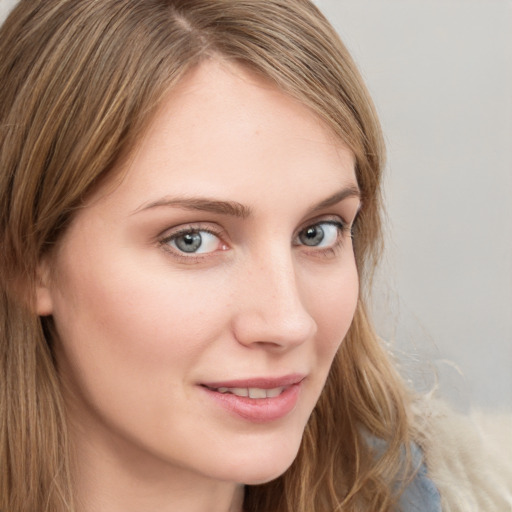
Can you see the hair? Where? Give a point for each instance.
(80, 81)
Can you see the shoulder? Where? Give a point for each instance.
(468, 457)
(421, 495)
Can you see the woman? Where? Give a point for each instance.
(190, 202)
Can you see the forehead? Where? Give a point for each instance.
(233, 132)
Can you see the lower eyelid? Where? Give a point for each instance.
(168, 237)
(168, 243)
(341, 227)
(208, 242)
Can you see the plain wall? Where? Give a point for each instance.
(5, 7)
(440, 72)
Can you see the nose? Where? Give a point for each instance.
(270, 309)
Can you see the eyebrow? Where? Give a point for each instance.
(233, 208)
(203, 204)
(350, 191)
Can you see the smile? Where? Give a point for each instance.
(258, 400)
(256, 393)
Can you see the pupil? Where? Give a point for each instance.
(312, 236)
(189, 242)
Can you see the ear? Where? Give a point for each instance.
(44, 301)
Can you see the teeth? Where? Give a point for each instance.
(271, 393)
(252, 392)
(240, 391)
(257, 393)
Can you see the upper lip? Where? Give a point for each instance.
(258, 382)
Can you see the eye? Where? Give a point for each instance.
(194, 241)
(322, 234)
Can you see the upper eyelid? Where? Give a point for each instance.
(190, 228)
(333, 219)
(338, 222)
(170, 234)
(220, 231)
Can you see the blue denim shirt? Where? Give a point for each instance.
(421, 495)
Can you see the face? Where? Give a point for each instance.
(200, 299)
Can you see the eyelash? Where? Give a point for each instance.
(166, 240)
(330, 251)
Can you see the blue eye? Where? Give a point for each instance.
(194, 242)
(323, 234)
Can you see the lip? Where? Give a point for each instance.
(260, 410)
(258, 382)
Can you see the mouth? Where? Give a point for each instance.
(257, 400)
(254, 393)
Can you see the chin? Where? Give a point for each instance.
(265, 466)
(259, 479)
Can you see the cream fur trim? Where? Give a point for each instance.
(469, 458)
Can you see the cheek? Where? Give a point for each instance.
(130, 338)
(333, 305)
(127, 315)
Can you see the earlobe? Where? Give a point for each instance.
(44, 302)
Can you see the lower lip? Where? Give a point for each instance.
(258, 410)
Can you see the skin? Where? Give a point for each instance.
(142, 324)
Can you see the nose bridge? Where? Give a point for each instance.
(273, 310)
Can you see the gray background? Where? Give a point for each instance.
(440, 72)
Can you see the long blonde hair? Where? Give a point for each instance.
(79, 81)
